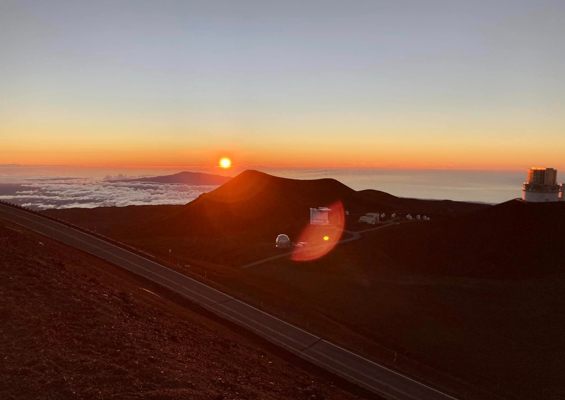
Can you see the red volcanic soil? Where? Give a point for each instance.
(74, 327)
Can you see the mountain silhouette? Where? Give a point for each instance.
(185, 177)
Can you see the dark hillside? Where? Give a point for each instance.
(512, 239)
(433, 208)
(116, 221)
(256, 204)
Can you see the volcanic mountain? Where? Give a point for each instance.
(261, 204)
(256, 202)
(185, 177)
(253, 204)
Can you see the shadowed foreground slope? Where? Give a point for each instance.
(76, 327)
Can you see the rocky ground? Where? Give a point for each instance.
(73, 326)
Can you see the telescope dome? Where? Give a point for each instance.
(282, 241)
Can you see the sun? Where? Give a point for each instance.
(224, 163)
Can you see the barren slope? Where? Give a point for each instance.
(76, 327)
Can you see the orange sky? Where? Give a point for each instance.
(462, 85)
(333, 151)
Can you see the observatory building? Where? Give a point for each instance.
(283, 241)
(542, 186)
(320, 216)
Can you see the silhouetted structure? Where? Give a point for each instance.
(370, 218)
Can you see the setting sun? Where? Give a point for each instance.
(225, 163)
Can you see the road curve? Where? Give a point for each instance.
(352, 367)
(353, 235)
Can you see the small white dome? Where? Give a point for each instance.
(282, 241)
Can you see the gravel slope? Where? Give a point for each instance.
(76, 327)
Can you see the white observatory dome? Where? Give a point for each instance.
(282, 241)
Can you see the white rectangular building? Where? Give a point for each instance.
(320, 216)
(542, 186)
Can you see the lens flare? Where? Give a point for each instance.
(320, 240)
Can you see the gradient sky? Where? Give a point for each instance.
(415, 84)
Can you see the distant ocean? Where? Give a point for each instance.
(63, 187)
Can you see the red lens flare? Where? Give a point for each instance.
(321, 239)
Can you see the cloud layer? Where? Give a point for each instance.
(90, 193)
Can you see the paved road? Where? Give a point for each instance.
(354, 368)
(353, 235)
(287, 254)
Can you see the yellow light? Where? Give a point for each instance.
(326, 238)
(225, 163)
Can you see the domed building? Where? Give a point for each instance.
(282, 241)
(542, 186)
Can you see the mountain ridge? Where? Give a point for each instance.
(184, 177)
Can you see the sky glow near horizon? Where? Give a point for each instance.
(396, 84)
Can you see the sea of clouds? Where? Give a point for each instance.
(49, 193)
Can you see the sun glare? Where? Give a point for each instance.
(326, 238)
(225, 163)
